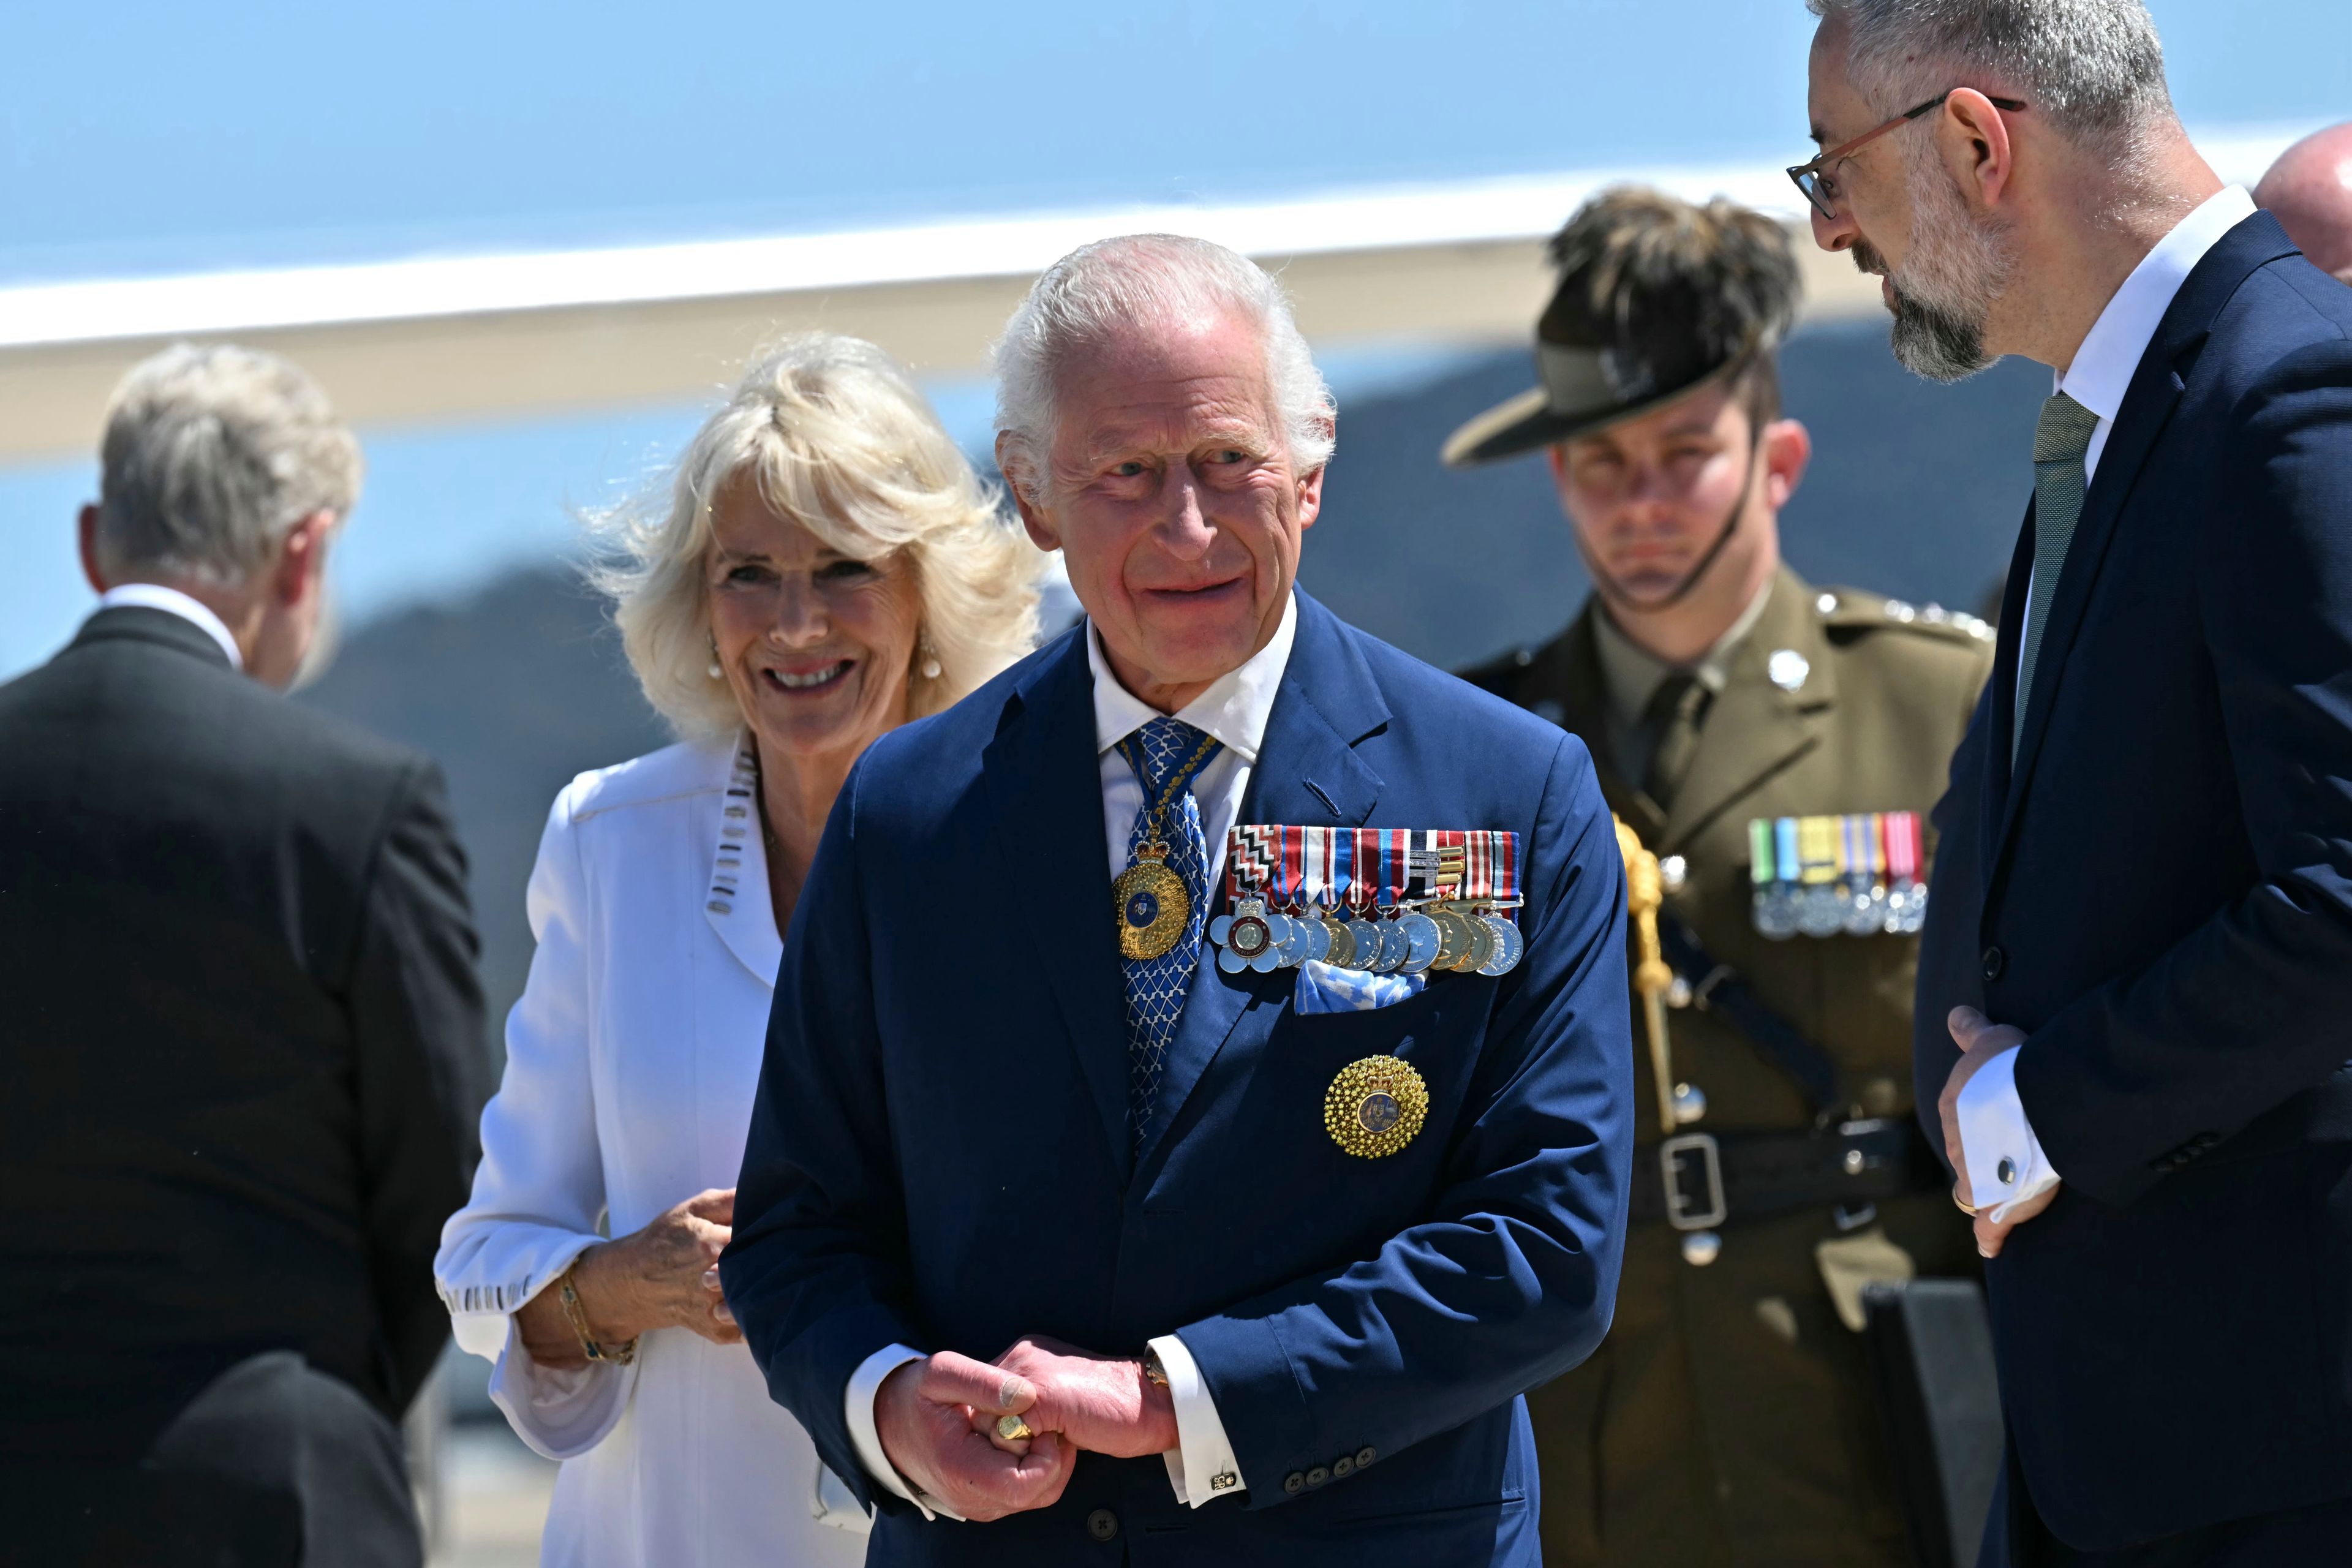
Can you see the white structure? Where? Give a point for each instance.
(440, 337)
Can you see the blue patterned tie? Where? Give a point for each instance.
(1156, 986)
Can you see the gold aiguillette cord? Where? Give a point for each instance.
(1644, 892)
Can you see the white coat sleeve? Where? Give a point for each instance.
(539, 1193)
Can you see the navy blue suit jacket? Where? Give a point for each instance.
(939, 1150)
(2159, 889)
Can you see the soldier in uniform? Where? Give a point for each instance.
(1728, 1417)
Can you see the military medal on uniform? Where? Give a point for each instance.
(1374, 901)
(1853, 875)
(1378, 900)
(1148, 897)
(1375, 1107)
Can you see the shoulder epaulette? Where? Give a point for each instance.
(1498, 674)
(1852, 609)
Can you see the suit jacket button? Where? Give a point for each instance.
(1995, 962)
(1102, 1524)
(1318, 1476)
(1343, 1466)
(1365, 1456)
(1294, 1482)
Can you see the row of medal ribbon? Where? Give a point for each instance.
(1387, 900)
(1858, 874)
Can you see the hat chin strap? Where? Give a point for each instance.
(1615, 591)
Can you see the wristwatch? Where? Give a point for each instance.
(1153, 1369)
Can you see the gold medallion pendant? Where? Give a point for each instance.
(1375, 1107)
(1152, 903)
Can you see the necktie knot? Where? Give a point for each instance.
(1165, 744)
(2063, 434)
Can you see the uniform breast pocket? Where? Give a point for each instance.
(1336, 1128)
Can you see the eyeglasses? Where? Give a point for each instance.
(1812, 177)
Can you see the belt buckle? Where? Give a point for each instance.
(1679, 1203)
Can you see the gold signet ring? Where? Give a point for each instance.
(1962, 1204)
(1013, 1429)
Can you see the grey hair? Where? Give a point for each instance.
(211, 455)
(1149, 281)
(838, 439)
(2093, 68)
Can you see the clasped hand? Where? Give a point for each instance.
(1980, 1039)
(665, 1276)
(937, 1419)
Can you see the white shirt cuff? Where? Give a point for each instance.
(560, 1414)
(2006, 1163)
(1201, 1468)
(857, 1405)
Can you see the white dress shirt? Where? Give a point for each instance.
(1996, 1138)
(631, 1062)
(155, 596)
(1234, 708)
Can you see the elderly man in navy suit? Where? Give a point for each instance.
(1314, 1133)
(2136, 974)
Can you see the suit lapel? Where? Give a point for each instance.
(1992, 794)
(1044, 781)
(1756, 728)
(2148, 406)
(1308, 774)
(738, 906)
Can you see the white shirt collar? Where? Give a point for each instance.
(1233, 709)
(2110, 356)
(155, 596)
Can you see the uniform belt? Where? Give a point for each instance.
(1717, 1180)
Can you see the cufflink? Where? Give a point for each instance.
(2006, 1172)
(1224, 1481)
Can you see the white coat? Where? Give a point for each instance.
(631, 1062)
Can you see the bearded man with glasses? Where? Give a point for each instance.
(2138, 961)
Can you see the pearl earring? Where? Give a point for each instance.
(714, 671)
(931, 661)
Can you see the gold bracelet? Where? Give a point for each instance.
(621, 1355)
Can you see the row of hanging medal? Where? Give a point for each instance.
(1386, 900)
(1823, 876)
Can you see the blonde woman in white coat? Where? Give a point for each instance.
(825, 566)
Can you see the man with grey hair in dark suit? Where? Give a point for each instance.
(2137, 960)
(243, 1043)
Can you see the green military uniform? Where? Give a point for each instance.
(1728, 1419)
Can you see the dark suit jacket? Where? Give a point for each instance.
(939, 1154)
(240, 1040)
(2159, 891)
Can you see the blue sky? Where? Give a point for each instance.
(144, 138)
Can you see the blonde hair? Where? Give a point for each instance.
(839, 440)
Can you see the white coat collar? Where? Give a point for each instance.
(738, 905)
